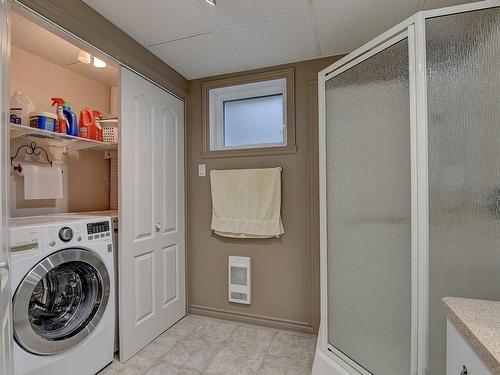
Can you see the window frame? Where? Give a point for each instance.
(214, 136)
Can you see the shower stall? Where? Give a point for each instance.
(409, 188)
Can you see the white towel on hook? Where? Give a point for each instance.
(41, 182)
(246, 203)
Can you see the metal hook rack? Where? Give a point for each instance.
(31, 149)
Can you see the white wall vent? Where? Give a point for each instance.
(239, 279)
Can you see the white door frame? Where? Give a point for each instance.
(6, 338)
(414, 29)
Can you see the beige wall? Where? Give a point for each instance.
(40, 80)
(285, 271)
(86, 173)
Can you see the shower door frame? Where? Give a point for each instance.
(413, 28)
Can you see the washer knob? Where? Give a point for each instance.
(52, 243)
(66, 234)
(79, 238)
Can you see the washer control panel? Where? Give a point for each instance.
(98, 229)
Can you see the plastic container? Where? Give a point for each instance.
(110, 134)
(43, 120)
(20, 108)
(72, 122)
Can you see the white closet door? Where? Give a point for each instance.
(5, 292)
(152, 233)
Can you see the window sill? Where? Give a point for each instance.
(244, 152)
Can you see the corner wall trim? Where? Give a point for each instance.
(262, 320)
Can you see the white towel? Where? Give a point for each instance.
(42, 182)
(246, 203)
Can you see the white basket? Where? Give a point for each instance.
(109, 134)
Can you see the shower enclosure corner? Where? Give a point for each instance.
(409, 188)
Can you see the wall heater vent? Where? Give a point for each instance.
(239, 279)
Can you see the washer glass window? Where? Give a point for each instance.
(60, 301)
(65, 300)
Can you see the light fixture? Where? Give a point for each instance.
(84, 57)
(99, 63)
(212, 2)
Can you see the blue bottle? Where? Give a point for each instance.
(71, 120)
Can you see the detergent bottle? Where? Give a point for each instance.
(62, 123)
(20, 108)
(86, 125)
(71, 120)
(99, 132)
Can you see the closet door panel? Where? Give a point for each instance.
(169, 172)
(143, 162)
(152, 237)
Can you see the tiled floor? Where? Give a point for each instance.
(204, 346)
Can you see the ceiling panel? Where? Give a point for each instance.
(200, 56)
(274, 40)
(243, 34)
(348, 26)
(154, 21)
(232, 12)
(433, 4)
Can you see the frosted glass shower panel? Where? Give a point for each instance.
(463, 85)
(368, 212)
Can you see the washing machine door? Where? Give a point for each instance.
(60, 301)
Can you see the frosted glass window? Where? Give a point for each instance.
(253, 121)
(249, 115)
(463, 54)
(368, 212)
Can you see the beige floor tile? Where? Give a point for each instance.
(186, 326)
(216, 330)
(112, 368)
(293, 345)
(236, 360)
(284, 366)
(192, 353)
(167, 339)
(169, 369)
(253, 337)
(154, 351)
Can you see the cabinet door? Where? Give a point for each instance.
(152, 237)
(5, 292)
(460, 356)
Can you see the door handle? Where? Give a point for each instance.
(157, 227)
(4, 265)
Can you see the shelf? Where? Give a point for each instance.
(59, 140)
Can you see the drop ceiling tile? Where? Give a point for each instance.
(200, 56)
(346, 27)
(232, 12)
(154, 21)
(434, 4)
(274, 40)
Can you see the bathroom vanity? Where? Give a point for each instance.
(473, 336)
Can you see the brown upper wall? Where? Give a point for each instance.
(285, 271)
(78, 18)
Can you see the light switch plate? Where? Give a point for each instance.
(202, 170)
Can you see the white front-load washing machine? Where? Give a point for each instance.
(63, 294)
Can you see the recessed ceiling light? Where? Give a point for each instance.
(99, 63)
(212, 2)
(84, 57)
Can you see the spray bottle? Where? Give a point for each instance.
(62, 124)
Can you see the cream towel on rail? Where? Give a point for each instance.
(246, 203)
